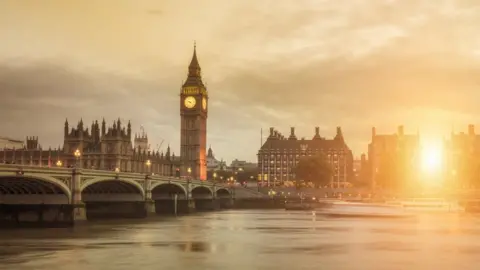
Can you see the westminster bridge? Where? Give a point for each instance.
(70, 195)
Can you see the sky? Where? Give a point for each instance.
(266, 63)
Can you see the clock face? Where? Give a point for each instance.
(190, 102)
(204, 103)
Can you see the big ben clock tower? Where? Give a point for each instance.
(193, 114)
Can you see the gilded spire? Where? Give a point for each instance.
(194, 66)
(194, 71)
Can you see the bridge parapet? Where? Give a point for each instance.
(78, 178)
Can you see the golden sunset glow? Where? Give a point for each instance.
(431, 157)
(122, 45)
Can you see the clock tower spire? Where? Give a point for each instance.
(194, 77)
(193, 122)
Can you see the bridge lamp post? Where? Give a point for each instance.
(214, 177)
(189, 171)
(59, 163)
(147, 183)
(77, 155)
(232, 185)
(148, 163)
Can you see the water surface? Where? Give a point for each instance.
(270, 239)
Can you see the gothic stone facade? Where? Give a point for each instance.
(193, 114)
(100, 147)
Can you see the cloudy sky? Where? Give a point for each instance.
(282, 63)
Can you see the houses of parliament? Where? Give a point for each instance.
(115, 147)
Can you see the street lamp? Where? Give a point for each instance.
(77, 155)
(148, 163)
(214, 176)
(189, 170)
(147, 183)
(117, 170)
(59, 163)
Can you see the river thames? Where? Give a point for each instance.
(270, 239)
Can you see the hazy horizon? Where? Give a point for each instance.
(305, 63)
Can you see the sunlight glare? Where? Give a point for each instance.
(432, 157)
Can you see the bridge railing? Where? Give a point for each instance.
(100, 173)
(18, 167)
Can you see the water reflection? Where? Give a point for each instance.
(249, 240)
(198, 247)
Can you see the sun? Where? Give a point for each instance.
(431, 157)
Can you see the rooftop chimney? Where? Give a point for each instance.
(339, 135)
(471, 130)
(292, 134)
(317, 133)
(339, 131)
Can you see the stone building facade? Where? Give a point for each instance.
(214, 164)
(193, 122)
(393, 159)
(279, 155)
(100, 147)
(462, 159)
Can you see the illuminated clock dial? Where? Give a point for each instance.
(190, 102)
(204, 103)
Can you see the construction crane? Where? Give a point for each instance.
(159, 146)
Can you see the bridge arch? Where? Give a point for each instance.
(166, 190)
(223, 193)
(93, 189)
(202, 192)
(12, 184)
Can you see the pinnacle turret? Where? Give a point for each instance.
(194, 71)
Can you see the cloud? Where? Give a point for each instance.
(305, 63)
(37, 98)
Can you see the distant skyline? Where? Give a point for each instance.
(304, 63)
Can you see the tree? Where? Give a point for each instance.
(314, 169)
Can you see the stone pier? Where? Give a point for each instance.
(79, 213)
(150, 208)
(79, 209)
